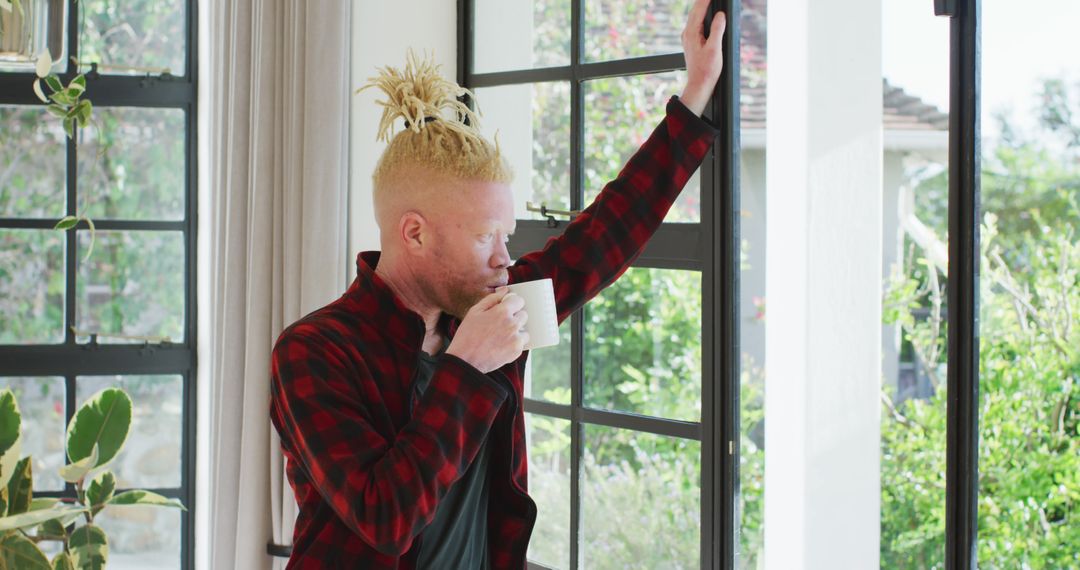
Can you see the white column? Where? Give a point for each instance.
(823, 285)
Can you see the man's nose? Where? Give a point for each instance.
(501, 257)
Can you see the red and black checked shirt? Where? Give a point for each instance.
(367, 473)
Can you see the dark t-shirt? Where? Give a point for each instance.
(457, 536)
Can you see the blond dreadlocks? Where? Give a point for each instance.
(436, 138)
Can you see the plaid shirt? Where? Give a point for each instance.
(368, 464)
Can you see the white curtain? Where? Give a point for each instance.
(279, 91)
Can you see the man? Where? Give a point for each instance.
(399, 404)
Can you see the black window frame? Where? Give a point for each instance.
(710, 246)
(70, 358)
(715, 253)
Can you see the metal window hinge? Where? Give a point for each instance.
(945, 8)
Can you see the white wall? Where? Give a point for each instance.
(382, 32)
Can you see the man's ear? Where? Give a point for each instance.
(412, 229)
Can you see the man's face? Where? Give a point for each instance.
(468, 258)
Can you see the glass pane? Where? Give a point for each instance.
(41, 403)
(643, 345)
(914, 266)
(619, 29)
(1029, 325)
(532, 125)
(548, 441)
(521, 34)
(150, 457)
(142, 538)
(31, 286)
(133, 284)
(131, 164)
(32, 164)
(29, 28)
(548, 372)
(751, 499)
(134, 38)
(620, 113)
(641, 500)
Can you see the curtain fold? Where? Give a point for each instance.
(278, 168)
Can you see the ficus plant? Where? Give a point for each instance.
(95, 436)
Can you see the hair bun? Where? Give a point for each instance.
(420, 95)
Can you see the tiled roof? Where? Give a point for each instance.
(901, 111)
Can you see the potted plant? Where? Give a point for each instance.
(95, 436)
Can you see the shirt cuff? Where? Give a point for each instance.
(689, 118)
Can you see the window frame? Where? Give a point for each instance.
(715, 253)
(69, 358)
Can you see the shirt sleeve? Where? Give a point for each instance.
(384, 489)
(601, 242)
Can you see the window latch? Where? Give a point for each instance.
(550, 214)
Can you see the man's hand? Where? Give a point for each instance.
(491, 333)
(704, 57)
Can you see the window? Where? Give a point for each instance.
(629, 437)
(74, 321)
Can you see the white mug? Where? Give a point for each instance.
(543, 323)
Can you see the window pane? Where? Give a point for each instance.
(643, 345)
(549, 485)
(641, 500)
(1029, 322)
(32, 164)
(134, 38)
(914, 266)
(133, 284)
(41, 403)
(132, 165)
(752, 225)
(619, 29)
(31, 286)
(549, 370)
(521, 34)
(150, 457)
(532, 125)
(142, 538)
(620, 113)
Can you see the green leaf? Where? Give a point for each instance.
(83, 111)
(69, 127)
(66, 223)
(139, 497)
(62, 561)
(19, 488)
(62, 98)
(74, 472)
(3, 496)
(56, 110)
(40, 94)
(19, 552)
(51, 528)
(101, 489)
(8, 461)
(89, 547)
(54, 83)
(34, 518)
(43, 503)
(102, 421)
(10, 419)
(78, 84)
